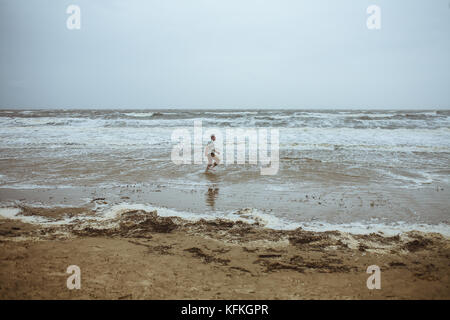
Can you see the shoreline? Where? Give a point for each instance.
(194, 204)
(141, 255)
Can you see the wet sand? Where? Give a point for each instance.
(332, 205)
(140, 255)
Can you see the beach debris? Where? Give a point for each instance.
(207, 258)
(417, 244)
(132, 223)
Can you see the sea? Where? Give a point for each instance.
(360, 171)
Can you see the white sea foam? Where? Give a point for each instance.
(9, 212)
(139, 114)
(249, 215)
(386, 229)
(14, 213)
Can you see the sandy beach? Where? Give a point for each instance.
(140, 255)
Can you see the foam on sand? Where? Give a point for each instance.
(110, 214)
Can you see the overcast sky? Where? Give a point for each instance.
(225, 54)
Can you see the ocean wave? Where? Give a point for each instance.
(262, 118)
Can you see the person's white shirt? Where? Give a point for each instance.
(210, 147)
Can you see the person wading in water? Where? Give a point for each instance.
(210, 153)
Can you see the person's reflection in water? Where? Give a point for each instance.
(211, 195)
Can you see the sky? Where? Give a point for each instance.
(225, 54)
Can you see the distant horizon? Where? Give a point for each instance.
(228, 108)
